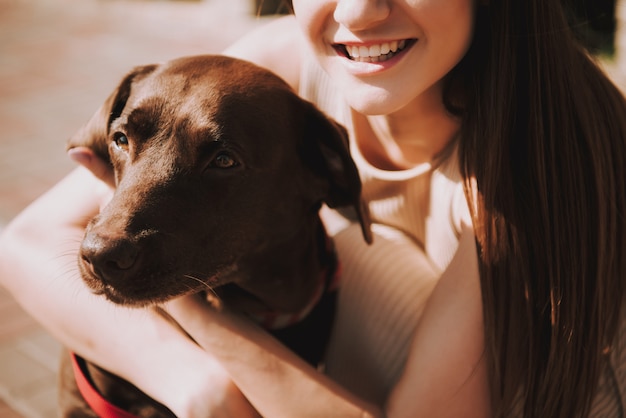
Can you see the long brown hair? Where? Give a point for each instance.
(544, 137)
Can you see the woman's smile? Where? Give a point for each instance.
(387, 55)
(374, 52)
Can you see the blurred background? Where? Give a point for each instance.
(59, 60)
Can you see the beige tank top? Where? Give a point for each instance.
(416, 215)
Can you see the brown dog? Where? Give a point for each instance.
(220, 170)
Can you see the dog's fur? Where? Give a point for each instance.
(220, 170)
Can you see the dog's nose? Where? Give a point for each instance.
(111, 260)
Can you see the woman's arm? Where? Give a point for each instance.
(38, 265)
(444, 376)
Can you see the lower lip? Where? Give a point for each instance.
(364, 68)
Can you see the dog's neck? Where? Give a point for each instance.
(288, 283)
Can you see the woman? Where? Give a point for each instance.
(494, 99)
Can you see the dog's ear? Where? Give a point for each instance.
(327, 151)
(89, 146)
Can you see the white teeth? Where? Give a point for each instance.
(375, 53)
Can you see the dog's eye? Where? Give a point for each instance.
(121, 141)
(223, 160)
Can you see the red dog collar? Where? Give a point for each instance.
(102, 407)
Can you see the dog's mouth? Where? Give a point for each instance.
(148, 291)
(141, 298)
(116, 297)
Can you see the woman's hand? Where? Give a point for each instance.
(88, 159)
(200, 387)
(275, 380)
(223, 401)
(197, 385)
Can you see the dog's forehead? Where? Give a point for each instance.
(210, 98)
(173, 90)
(220, 76)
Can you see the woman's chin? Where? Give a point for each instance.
(373, 100)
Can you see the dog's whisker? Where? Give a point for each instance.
(205, 286)
(66, 254)
(200, 281)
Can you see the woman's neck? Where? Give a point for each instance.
(407, 137)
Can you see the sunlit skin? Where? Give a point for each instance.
(399, 94)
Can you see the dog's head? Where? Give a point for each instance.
(213, 159)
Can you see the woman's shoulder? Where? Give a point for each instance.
(275, 46)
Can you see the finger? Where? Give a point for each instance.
(88, 159)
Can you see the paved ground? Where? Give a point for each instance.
(59, 59)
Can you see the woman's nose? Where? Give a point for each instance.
(361, 14)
